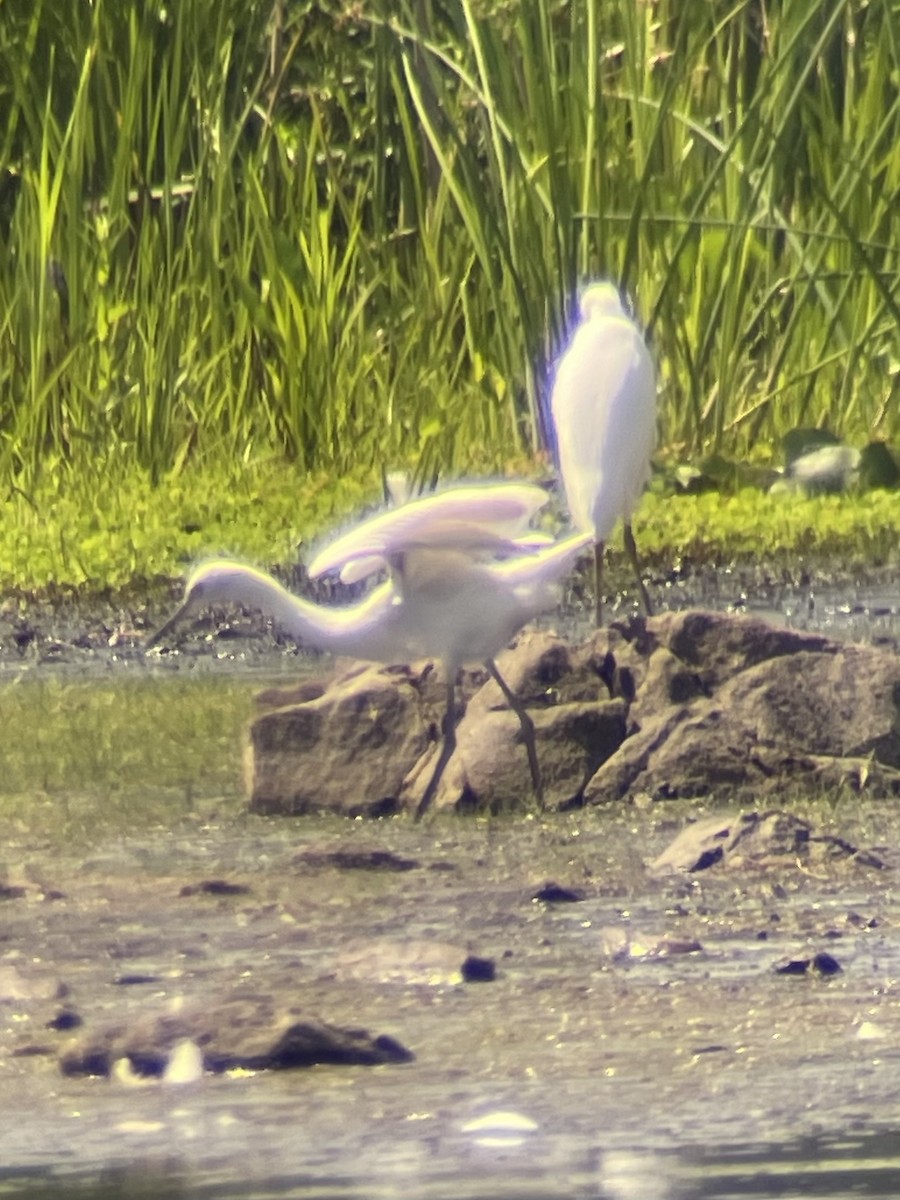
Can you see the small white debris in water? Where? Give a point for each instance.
(140, 1126)
(501, 1128)
(123, 1072)
(870, 1032)
(185, 1063)
(627, 1175)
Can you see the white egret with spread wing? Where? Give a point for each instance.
(447, 596)
(603, 406)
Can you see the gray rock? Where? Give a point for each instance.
(717, 645)
(755, 839)
(346, 750)
(253, 1034)
(411, 962)
(679, 705)
(576, 725)
(367, 742)
(725, 704)
(490, 767)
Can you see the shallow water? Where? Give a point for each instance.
(574, 1074)
(700, 1074)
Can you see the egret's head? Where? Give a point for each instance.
(218, 580)
(601, 300)
(214, 583)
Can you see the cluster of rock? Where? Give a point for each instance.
(237, 1034)
(678, 705)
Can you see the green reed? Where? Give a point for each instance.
(355, 234)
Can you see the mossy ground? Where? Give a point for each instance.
(118, 534)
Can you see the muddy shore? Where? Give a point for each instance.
(639, 1031)
(647, 1013)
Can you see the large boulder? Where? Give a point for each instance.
(683, 704)
(367, 743)
(767, 705)
(577, 726)
(346, 750)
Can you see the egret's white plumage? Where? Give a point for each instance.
(444, 598)
(604, 412)
(474, 520)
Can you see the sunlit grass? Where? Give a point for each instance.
(794, 532)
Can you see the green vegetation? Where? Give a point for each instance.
(127, 753)
(126, 534)
(125, 530)
(252, 247)
(796, 532)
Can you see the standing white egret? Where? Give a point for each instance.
(604, 413)
(445, 598)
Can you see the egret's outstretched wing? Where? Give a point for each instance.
(526, 543)
(484, 517)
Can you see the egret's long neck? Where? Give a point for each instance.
(362, 630)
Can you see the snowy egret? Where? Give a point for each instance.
(447, 595)
(604, 413)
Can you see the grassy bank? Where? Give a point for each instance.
(350, 234)
(126, 532)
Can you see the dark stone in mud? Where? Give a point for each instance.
(307, 1044)
(215, 887)
(65, 1019)
(756, 839)
(356, 860)
(478, 970)
(554, 893)
(794, 966)
(234, 1034)
(680, 705)
(819, 964)
(826, 964)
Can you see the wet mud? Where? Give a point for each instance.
(90, 632)
(637, 1035)
(635, 1014)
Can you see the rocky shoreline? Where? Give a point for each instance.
(684, 704)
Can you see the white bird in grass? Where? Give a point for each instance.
(446, 597)
(604, 412)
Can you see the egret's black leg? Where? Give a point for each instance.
(631, 551)
(599, 548)
(448, 738)
(527, 726)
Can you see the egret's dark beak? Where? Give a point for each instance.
(164, 630)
